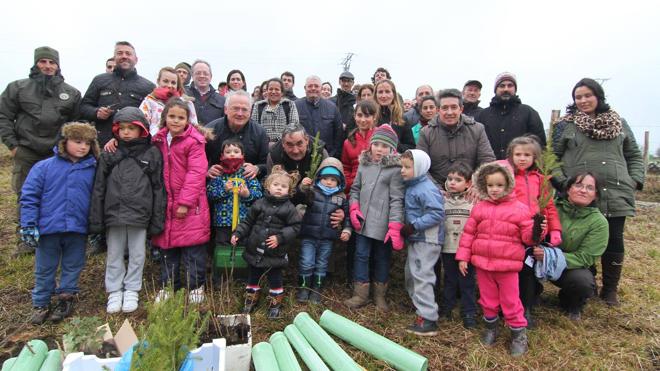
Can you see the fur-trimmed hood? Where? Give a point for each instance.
(331, 162)
(480, 181)
(387, 161)
(78, 130)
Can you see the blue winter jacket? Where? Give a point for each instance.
(425, 210)
(56, 195)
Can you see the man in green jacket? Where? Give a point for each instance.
(32, 111)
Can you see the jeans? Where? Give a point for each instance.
(194, 262)
(314, 255)
(455, 282)
(67, 249)
(364, 246)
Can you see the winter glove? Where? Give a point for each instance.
(30, 235)
(394, 234)
(555, 238)
(407, 230)
(356, 216)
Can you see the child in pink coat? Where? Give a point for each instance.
(187, 217)
(493, 242)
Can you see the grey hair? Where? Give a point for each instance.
(198, 61)
(292, 129)
(424, 86)
(450, 93)
(313, 77)
(236, 93)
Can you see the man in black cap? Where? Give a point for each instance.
(32, 112)
(345, 99)
(109, 92)
(471, 95)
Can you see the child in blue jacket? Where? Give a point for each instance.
(55, 203)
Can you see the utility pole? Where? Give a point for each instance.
(346, 62)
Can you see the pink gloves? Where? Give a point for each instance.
(356, 215)
(555, 238)
(394, 233)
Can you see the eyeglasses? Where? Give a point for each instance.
(239, 109)
(581, 187)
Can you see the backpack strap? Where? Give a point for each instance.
(286, 105)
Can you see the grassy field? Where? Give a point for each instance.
(607, 338)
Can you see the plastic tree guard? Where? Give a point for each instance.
(53, 361)
(264, 357)
(305, 351)
(31, 356)
(370, 342)
(333, 355)
(8, 364)
(286, 359)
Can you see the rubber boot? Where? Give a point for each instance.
(275, 305)
(302, 295)
(317, 288)
(380, 291)
(490, 334)
(360, 296)
(251, 300)
(612, 265)
(518, 341)
(529, 318)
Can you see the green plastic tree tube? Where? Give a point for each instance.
(370, 342)
(264, 357)
(8, 364)
(31, 356)
(328, 349)
(53, 361)
(305, 351)
(286, 359)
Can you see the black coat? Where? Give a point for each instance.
(128, 188)
(471, 109)
(345, 102)
(403, 132)
(324, 117)
(506, 120)
(268, 216)
(116, 90)
(210, 109)
(253, 137)
(316, 222)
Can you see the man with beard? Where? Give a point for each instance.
(32, 112)
(471, 95)
(507, 117)
(110, 92)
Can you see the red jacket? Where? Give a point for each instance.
(184, 175)
(350, 155)
(528, 190)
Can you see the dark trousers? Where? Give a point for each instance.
(576, 286)
(274, 275)
(615, 243)
(530, 288)
(194, 262)
(455, 282)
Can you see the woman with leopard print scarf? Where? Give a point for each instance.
(593, 137)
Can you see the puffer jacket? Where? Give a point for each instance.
(471, 109)
(425, 210)
(269, 216)
(116, 89)
(378, 188)
(506, 120)
(350, 156)
(223, 201)
(57, 193)
(33, 110)
(184, 174)
(457, 211)
(617, 164)
(496, 232)
(585, 234)
(316, 222)
(528, 191)
(466, 142)
(210, 108)
(129, 189)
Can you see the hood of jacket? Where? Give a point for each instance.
(480, 181)
(46, 83)
(421, 162)
(505, 105)
(332, 162)
(387, 161)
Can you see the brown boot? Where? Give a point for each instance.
(380, 289)
(612, 265)
(251, 300)
(360, 295)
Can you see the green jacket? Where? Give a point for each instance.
(584, 234)
(33, 110)
(617, 164)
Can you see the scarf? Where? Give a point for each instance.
(164, 94)
(231, 165)
(605, 126)
(327, 190)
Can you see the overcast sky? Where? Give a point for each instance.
(549, 46)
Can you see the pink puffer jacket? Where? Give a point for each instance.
(184, 173)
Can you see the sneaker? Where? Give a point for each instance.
(469, 321)
(251, 300)
(574, 315)
(114, 302)
(130, 301)
(196, 296)
(39, 315)
(162, 296)
(63, 308)
(423, 327)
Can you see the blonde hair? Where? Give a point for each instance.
(278, 173)
(396, 110)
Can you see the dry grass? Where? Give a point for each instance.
(607, 338)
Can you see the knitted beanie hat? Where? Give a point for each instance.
(183, 65)
(505, 76)
(386, 135)
(47, 53)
